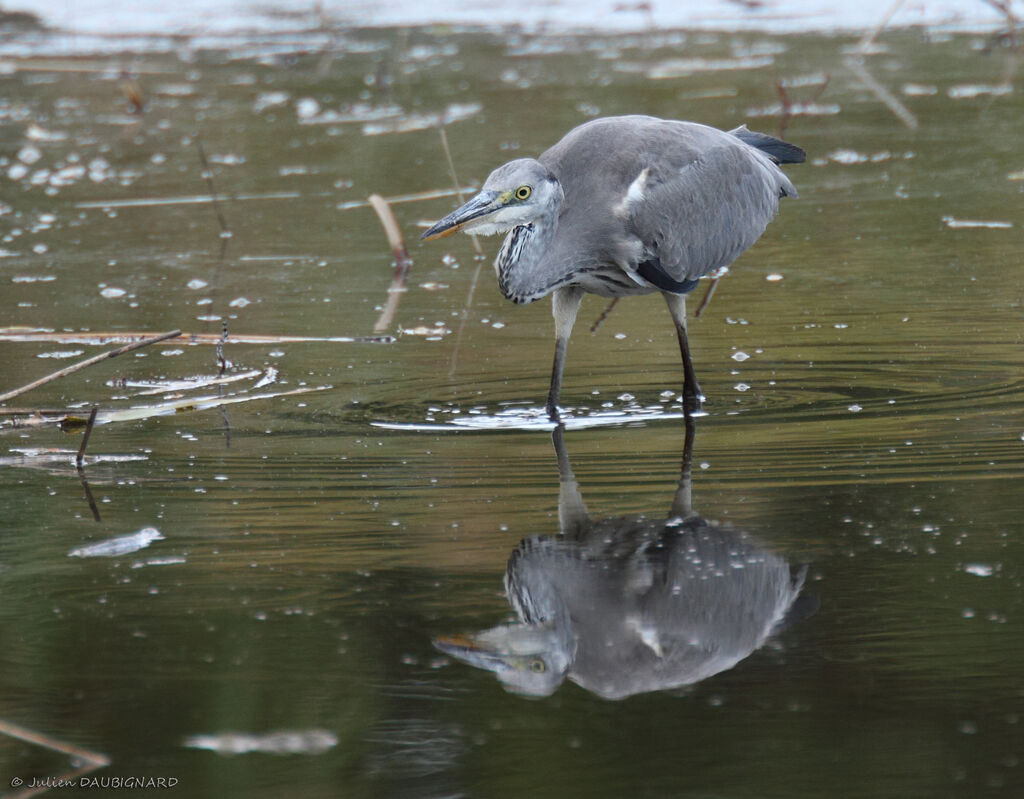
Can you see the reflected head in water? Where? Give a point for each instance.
(628, 605)
(622, 206)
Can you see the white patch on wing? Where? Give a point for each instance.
(634, 193)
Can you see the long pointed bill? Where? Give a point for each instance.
(484, 203)
(469, 649)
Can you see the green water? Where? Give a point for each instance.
(314, 544)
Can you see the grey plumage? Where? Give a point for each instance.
(623, 206)
(631, 604)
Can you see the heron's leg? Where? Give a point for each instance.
(682, 505)
(573, 520)
(691, 391)
(564, 304)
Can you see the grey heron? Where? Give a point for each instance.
(622, 206)
(631, 604)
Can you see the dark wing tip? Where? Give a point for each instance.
(781, 152)
(653, 272)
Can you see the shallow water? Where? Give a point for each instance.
(313, 545)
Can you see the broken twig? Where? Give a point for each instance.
(402, 261)
(88, 362)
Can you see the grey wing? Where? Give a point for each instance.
(697, 217)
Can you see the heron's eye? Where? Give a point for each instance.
(523, 192)
(538, 664)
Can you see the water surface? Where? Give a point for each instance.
(863, 419)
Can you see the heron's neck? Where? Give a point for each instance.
(522, 276)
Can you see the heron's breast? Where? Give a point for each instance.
(611, 281)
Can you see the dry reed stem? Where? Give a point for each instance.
(869, 37)
(604, 315)
(21, 335)
(856, 65)
(479, 256)
(88, 362)
(90, 761)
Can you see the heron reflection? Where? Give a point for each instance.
(628, 605)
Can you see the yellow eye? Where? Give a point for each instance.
(535, 665)
(523, 192)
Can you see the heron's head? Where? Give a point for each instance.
(528, 659)
(516, 193)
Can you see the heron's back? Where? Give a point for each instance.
(682, 197)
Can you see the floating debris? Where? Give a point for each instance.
(683, 67)
(187, 384)
(844, 156)
(979, 569)
(36, 133)
(975, 223)
(977, 90)
(456, 112)
(59, 354)
(309, 113)
(283, 742)
(795, 110)
(193, 404)
(847, 157)
(306, 108)
(122, 545)
(269, 100)
(52, 459)
(919, 90)
(167, 560)
(423, 330)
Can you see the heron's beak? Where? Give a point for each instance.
(502, 648)
(470, 649)
(484, 203)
